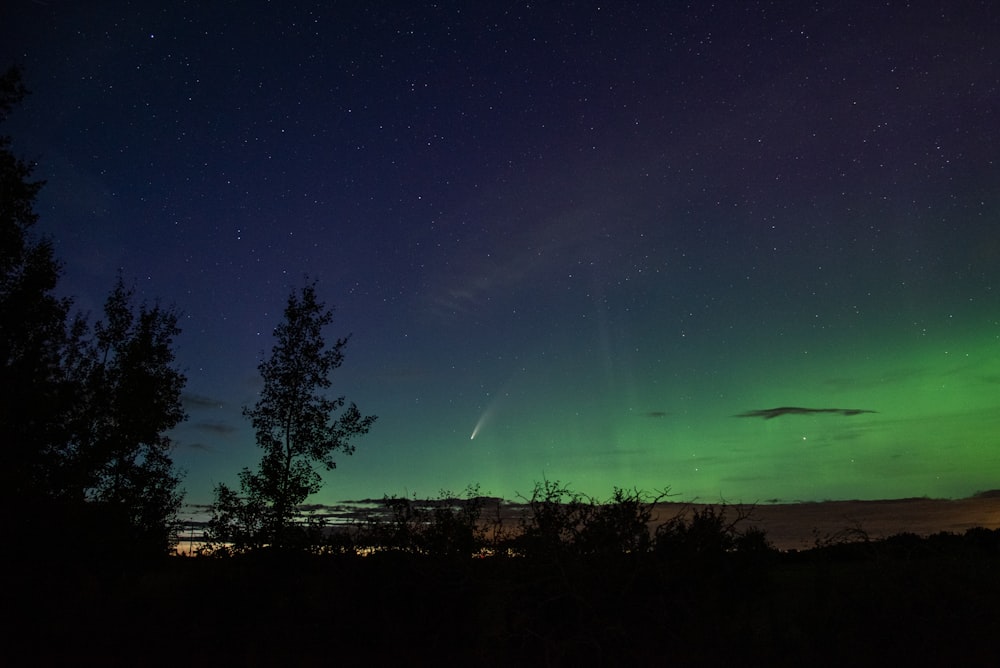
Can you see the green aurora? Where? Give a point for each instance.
(932, 431)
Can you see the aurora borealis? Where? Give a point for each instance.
(747, 251)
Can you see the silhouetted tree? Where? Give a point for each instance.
(296, 427)
(83, 456)
(130, 397)
(238, 524)
(33, 388)
(620, 525)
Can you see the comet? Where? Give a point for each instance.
(494, 402)
(483, 419)
(476, 429)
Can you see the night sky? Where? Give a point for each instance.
(624, 244)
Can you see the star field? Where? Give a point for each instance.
(590, 236)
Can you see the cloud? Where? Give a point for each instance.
(195, 401)
(770, 413)
(219, 428)
(529, 245)
(197, 445)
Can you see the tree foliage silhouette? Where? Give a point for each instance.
(450, 526)
(34, 390)
(130, 398)
(82, 414)
(296, 425)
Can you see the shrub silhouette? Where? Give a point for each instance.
(554, 518)
(402, 528)
(619, 525)
(710, 534)
(454, 529)
(449, 526)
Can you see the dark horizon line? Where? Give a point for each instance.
(987, 494)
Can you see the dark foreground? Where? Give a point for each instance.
(902, 601)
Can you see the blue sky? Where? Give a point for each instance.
(600, 233)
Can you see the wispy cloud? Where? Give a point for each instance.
(195, 401)
(770, 413)
(220, 428)
(197, 445)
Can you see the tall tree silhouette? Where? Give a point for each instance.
(34, 390)
(130, 397)
(298, 427)
(83, 415)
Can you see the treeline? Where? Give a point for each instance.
(556, 523)
(553, 522)
(569, 582)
